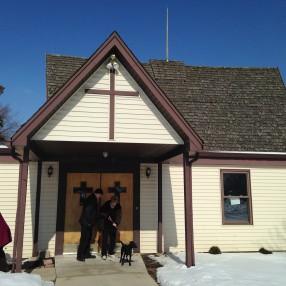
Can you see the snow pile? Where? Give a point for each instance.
(23, 279)
(225, 269)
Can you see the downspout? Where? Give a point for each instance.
(191, 162)
(160, 210)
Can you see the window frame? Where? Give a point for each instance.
(248, 197)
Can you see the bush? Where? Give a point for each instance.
(214, 250)
(264, 251)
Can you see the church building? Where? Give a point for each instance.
(197, 156)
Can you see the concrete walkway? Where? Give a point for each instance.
(70, 272)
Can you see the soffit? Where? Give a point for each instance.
(92, 151)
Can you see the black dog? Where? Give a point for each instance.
(126, 252)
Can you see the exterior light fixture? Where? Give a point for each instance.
(109, 66)
(115, 65)
(148, 172)
(112, 64)
(50, 171)
(105, 154)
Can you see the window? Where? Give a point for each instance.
(236, 199)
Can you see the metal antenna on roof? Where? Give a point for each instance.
(167, 36)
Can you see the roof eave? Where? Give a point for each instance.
(240, 155)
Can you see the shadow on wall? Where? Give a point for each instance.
(172, 205)
(47, 207)
(173, 210)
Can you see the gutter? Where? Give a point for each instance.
(242, 155)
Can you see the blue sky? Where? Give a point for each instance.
(248, 33)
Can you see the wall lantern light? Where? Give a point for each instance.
(50, 171)
(105, 154)
(148, 172)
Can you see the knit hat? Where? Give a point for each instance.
(98, 191)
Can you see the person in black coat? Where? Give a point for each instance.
(110, 214)
(88, 219)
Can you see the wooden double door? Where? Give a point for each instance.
(80, 185)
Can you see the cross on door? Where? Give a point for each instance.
(112, 92)
(82, 191)
(117, 189)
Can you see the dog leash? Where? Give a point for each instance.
(109, 218)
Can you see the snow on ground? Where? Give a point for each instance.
(226, 269)
(23, 279)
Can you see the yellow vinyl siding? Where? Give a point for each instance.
(99, 79)
(85, 117)
(268, 190)
(30, 210)
(82, 118)
(48, 208)
(9, 173)
(148, 209)
(137, 120)
(173, 208)
(124, 81)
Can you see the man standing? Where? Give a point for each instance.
(88, 219)
(111, 215)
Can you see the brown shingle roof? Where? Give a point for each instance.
(231, 109)
(59, 70)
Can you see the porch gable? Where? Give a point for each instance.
(85, 116)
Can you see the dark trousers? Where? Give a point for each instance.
(111, 234)
(3, 263)
(84, 243)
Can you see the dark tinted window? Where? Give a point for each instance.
(234, 184)
(236, 201)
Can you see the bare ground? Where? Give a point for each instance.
(151, 265)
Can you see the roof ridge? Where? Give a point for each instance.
(66, 56)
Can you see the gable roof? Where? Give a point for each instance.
(113, 45)
(232, 109)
